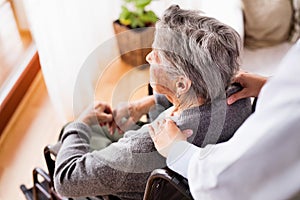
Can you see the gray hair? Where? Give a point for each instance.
(200, 48)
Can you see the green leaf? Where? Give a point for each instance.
(139, 11)
(149, 16)
(139, 17)
(125, 22)
(142, 3)
(125, 16)
(125, 13)
(136, 22)
(133, 24)
(140, 23)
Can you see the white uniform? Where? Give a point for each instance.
(262, 160)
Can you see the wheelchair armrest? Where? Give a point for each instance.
(175, 179)
(50, 152)
(52, 149)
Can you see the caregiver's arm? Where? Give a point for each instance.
(170, 142)
(246, 165)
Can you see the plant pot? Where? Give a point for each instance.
(134, 44)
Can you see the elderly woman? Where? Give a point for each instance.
(193, 61)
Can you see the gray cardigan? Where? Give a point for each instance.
(122, 168)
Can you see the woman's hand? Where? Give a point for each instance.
(164, 133)
(126, 115)
(251, 83)
(98, 113)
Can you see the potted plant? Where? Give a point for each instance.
(133, 32)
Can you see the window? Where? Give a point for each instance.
(18, 61)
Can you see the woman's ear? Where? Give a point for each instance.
(183, 85)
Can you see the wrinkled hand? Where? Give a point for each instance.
(98, 113)
(251, 83)
(125, 116)
(164, 133)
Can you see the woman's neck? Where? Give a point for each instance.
(181, 106)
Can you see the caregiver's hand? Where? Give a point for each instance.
(251, 83)
(164, 133)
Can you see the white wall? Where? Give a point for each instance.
(20, 14)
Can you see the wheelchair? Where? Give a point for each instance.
(162, 183)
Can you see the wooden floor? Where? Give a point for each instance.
(33, 126)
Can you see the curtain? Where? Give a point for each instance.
(65, 33)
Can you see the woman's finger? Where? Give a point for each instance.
(112, 127)
(103, 117)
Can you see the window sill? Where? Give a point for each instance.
(14, 91)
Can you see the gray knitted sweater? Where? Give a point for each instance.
(122, 168)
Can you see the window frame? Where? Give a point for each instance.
(19, 81)
(13, 93)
